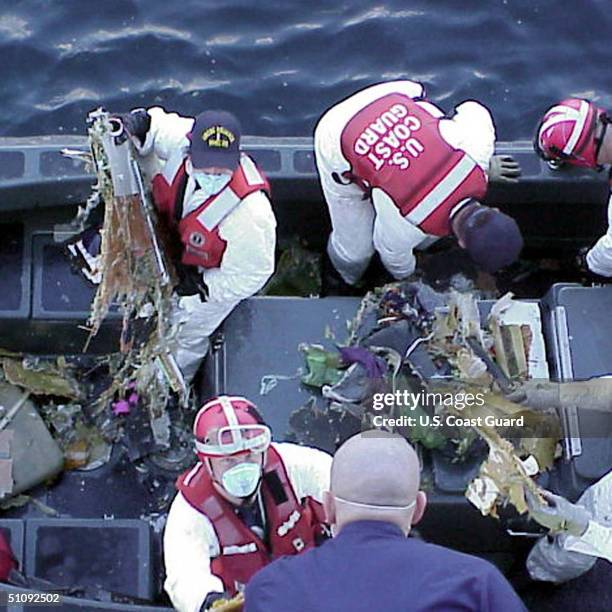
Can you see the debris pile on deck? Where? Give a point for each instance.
(412, 343)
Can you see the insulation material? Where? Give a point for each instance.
(235, 604)
(467, 315)
(538, 437)
(471, 367)
(502, 477)
(511, 348)
(517, 343)
(136, 274)
(43, 377)
(134, 271)
(525, 315)
(452, 325)
(459, 351)
(507, 473)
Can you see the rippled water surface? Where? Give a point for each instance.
(278, 65)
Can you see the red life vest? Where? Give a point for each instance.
(395, 144)
(199, 230)
(7, 560)
(292, 527)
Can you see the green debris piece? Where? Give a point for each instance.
(298, 273)
(42, 377)
(420, 433)
(6, 353)
(17, 501)
(463, 445)
(21, 500)
(323, 366)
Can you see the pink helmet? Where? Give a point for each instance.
(229, 425)
(568, 133)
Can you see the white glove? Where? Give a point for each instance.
(504, 169)
(558, 514)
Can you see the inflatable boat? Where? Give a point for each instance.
(95, 535)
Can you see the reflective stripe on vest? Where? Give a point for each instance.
(240, 550)
(441, 191)
(251, 173)
(221, 206)
(290, 523)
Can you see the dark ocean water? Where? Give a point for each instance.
(278, 65)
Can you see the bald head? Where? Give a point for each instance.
(379, 472)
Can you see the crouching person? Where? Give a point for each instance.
(245, 503)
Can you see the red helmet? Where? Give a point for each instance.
(229, 425)
(568, 133)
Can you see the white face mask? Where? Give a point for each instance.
(210, 184)
(242, 480)
(374, 506)
(369, 507)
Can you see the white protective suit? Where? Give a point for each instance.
(599, 258)
(248, 261)
(361, 226)
(564, 556)
(190, 540)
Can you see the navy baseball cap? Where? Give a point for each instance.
(215, 140)
(492, 238)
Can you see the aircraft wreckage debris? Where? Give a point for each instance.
(438, 350)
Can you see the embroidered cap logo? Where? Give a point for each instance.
(218, 137)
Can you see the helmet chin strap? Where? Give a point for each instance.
(605, 120)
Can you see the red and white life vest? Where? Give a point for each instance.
(292, 526)
(199, 230)
(395, 144)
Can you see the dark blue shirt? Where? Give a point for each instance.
(371, 566)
